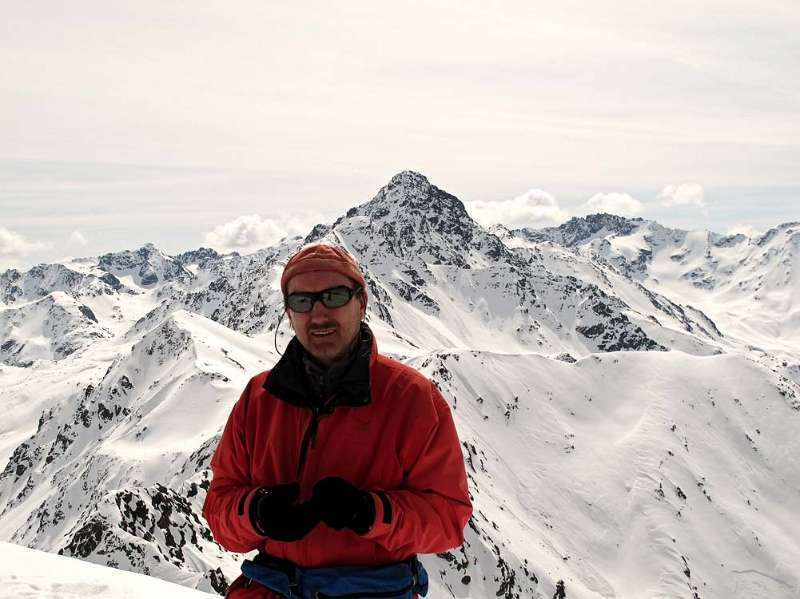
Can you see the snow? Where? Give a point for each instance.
(621, 473)
(629, 246)
(39, 575)
(605, 434)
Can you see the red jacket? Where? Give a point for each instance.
(402, 441)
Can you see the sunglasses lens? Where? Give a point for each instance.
(299, 302)
(336, 297)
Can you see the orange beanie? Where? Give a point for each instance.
(322, 257)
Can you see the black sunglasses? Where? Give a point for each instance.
(334, 297)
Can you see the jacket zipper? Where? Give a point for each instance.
(308, 438)
(311, 434)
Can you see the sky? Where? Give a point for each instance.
(188, 124)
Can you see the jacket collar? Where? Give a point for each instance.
(348, 384)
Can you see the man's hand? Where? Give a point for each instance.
(275, 515)
(342, 505)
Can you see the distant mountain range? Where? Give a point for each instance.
(628, 396)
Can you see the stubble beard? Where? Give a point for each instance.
(343, 353)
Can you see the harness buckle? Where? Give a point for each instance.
(414, 563)
(294, 586)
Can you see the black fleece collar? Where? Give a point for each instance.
(349, 385)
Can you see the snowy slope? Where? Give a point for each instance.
(114, 471)
(47, 329)
(674, 325)
(144, 268)
(38, 575)
(585, 461)
(643, 474)
(749, 287)
(76, 280)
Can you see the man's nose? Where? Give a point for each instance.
(318, 310)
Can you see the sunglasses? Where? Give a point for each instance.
(334, 297)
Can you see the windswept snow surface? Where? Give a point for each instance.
(39, 575)
(627, 396)
(640, 474)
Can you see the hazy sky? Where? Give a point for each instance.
(257, 119)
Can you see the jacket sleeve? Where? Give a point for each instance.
(227, 503)
(429, 513)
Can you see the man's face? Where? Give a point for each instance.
(326, 333)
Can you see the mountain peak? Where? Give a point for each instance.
(789, 225)
(786, 228)
(409, 180)
(411, 194)
(583, 228)
(593, 223)
(411, 218)
(148, 265)
(202, 255)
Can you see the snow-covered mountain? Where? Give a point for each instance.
(49, 328)
(145, 267)
(749, 286)
(440, 280)
(627, 431)
(74, 280)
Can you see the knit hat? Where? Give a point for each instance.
(322, 257)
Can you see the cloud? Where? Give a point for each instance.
(250, 232)
(12, 244)
(612, 203)
(685, 194)
(534, 207)
(77, 239)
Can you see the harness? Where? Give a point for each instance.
(394, 581)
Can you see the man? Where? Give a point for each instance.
(340, 464)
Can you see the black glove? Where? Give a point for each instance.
(275, 515)
(341, 505)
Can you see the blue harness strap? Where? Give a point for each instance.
(395, 581)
